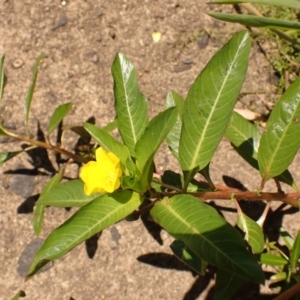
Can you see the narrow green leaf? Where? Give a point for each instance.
(153, 136)
(2, 78)
(172, 139)
(227, 285)
(99, 214)
(5, 156)
(187, 256)
(288, 240)
(278, 277)
(38, 210)
(255, 21)
(281, 139)
(245, 139)
(110, 126)
(108, 142)
(131, 106)
(207, 234)
(287, 3)
(210, 103)
(272, 260)
(59, 113)
(253, 232)
(67, 194)
(18, 295)
(29, 94)
(2, 132)
(295, 255)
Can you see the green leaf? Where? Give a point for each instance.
(86, 137)
(210, 102)
(131, 106)
(2, 132)
(110, 126)
(19, 294)
(272, 260)
(58, 115)
(295, 255)
(253, 232)
(226, 285)
(5, 156)
(278, 277)
(153, 136)
(31, 88)
(108, 142)
(245, 139)
(183, 253)
(207, 234)
(38, 210)
(173, 99)
(99, 214)
(2, 78)
(281, 139)
(255, 21)
(287, 3)
(67, 194)
(288, 240)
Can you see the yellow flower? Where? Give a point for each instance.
(102, 175)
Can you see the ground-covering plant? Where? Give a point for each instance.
(118, 179)
(279, 25)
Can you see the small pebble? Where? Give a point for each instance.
(112, 34)
(95, 58)
(17, 63)
(99, 38)
(62, 21)
(187, 61)
(203, 41)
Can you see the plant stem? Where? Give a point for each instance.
(47, 146)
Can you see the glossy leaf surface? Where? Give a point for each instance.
(101, 213)
(253, 232)
(30, 91)
(173, 99)
(207, 234)
(272, 259)
(210, 101)
(59, 113)
(281, 139)
(38, 210)
(131, 106)
(67, 194)
(227, 285)
(255, 21)
(186, 255)
(287, 3)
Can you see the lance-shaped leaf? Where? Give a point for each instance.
(2, 78)
(253, 232)
(67, 194)
(281, 139)
(272, 259)
(153, 136)
(30, 91)
(245, 139)
(38, 210)
(255, 21)
(207, 234)
(59, 113)
(5, 156)
(210, 103)
(227, 285)
(287, 3)
(181, 251)
(173, 99)
(101, 213)
(18, 295)
(295, 255)
(108, 142)
(131, 106)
